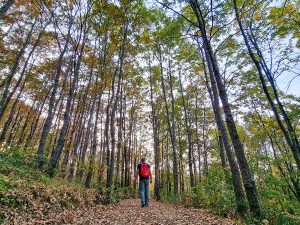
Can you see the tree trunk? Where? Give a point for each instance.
(26, 122)
(189, 134)
(236, 180)
(289, 133)
(171, 127)
(114, 108)
(155, 137)
(94, 143)
(7, 81)
(11, 114)
(198, 143)
(36, 121)
(248, 180)
(180, 164)
(50, 114)
(205, 153)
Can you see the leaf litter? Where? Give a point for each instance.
(42, 206)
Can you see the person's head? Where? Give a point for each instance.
(143, 160)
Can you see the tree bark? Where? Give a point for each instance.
(114, 108)
(236, 179)
(171, 127)
(189, 134)
(12, 72)
(247, 176)
(155, 125)
(289, 132)
(50, 113)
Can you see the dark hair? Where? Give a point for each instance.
(143, 160)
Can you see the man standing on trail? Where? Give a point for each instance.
(143, 171)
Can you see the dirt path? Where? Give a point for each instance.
(130, 212)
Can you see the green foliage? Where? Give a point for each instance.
(114, 196)
(125, 193)
(214, 193)
(273, 217)
(279, 206)
(170, 197)
(4, 185)
(152, 31)
(16, 166)
(20, 181)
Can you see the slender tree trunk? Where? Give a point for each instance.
(94, 143)
(79, 134)
(50, 113)
(106, 137)
(289, 133)
(87, 138)
(155, 137)
(205, 153)
(101, 158)
(114, 108)
(162, 173)
(120, 142)
(198, 143)
(18, 119)
(84, 138)
(7, 82)
(11, 114)
(171, 127)
(36, 121)
(189, 134)
(247, 176)
(26, 122)
(181, 169)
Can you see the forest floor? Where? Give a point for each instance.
(27, 196)
(128, 211)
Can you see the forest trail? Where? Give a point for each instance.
(129, 212)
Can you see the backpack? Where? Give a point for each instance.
(144, 170)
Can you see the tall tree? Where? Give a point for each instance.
(247, 176)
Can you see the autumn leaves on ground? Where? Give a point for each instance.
(29, 197)
(49, 210)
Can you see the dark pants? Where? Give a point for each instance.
(144, 192)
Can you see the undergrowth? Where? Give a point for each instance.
(215, 194)
(27, 191)
(224, 206)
